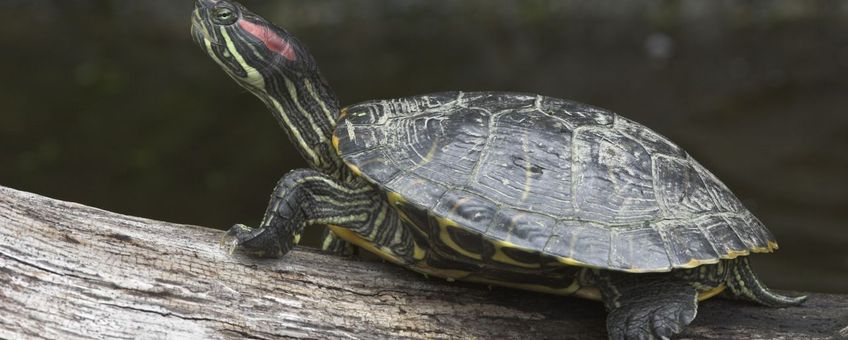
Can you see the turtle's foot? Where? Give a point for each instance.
(658, 317)
(646, 306)
(257, 242)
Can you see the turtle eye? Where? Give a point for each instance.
(223, 16)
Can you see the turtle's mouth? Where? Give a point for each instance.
(199, 31)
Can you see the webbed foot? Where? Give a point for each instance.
(647, 306)
(658, 318)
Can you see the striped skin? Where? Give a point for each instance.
(306, 197)
(442, 239)
(276, 68)
(292, 89)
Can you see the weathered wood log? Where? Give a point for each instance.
(71, 271)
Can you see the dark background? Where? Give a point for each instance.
(109, 103)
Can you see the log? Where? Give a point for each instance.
(69, 271)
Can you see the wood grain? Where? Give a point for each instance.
(71, 271)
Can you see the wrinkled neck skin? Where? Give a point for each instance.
(270, 63)
(307, 109)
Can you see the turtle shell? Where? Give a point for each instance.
(575, 182)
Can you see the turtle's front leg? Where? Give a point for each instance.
(302, 197)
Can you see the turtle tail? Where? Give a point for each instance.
(744, 285)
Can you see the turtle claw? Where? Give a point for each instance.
(255, 242)
(235, 237)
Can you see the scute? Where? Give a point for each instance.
(531, 174)
(471, 211)
(613, 182)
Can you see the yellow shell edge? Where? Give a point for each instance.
(358, 241)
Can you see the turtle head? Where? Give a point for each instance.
(273, 65)
(248, 47)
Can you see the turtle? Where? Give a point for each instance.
(509, 189)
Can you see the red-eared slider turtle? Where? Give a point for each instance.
(508, 189)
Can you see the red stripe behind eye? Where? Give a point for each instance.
(272, 41)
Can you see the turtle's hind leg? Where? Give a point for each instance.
(744, 285)
(646, 306)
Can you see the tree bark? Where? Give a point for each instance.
(72, 271)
